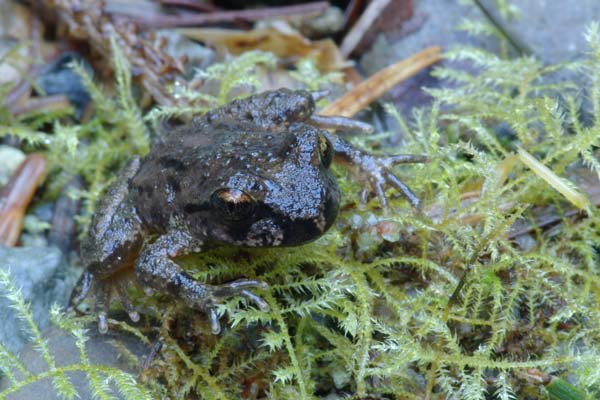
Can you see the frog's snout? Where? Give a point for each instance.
(331, 210)
(286, 230)
(311, 227)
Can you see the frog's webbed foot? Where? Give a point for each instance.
(102, 293)
(155, 269)
(205, 297)
(236, 288)
(376, 170)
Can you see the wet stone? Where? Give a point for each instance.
(553, 31)
(10, 159)
(59, 78)
(43, 278)
(100, 350)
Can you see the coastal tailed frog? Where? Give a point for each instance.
(253, 173)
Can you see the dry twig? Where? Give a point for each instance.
(372, 88)
(363, 24)
(16, 196)
(173, 21)
(39, 104)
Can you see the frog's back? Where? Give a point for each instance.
(180, 173)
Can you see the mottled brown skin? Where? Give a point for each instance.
(253, 173)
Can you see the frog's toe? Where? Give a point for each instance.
(215, 325)
(364, 195)
(126, 301)
(385, 178)
(102, 292)
(376, 170)
(395, 182)
(241, 288)
(80, 291)
(377, 184)
(236, 287)
(392, 180)
(102, 305)
(102, 319)
(340, 123)
(407, 158)
(257, 300)
(319, 94)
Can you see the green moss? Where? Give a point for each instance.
(100, 377)
(366, 310)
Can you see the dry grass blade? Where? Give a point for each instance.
(563, 186)
(369, 90)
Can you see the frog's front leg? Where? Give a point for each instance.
(376, 170)
(156, 269)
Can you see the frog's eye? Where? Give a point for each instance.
(325, 151)
(233, 204)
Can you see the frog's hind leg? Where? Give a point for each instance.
(103, 291)
(109, 251)
(111, 273)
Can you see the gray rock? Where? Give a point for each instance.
(553, 30)
(100, 350)
(59, 78)
(10, 159)
(434, 22)
(43, 277)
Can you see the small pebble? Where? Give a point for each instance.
(10, 158)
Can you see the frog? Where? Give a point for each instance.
(252, 173)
